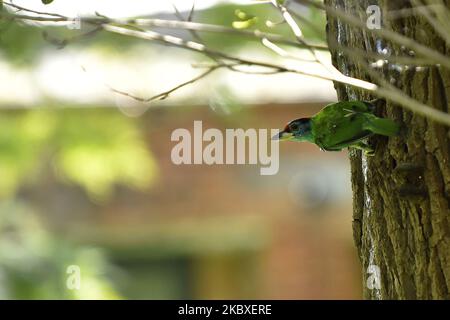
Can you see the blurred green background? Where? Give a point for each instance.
(87, 183)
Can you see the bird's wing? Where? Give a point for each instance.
(344, 144)
(337, 129)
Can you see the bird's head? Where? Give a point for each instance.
(296, 130)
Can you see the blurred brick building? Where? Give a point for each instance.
(224, 231)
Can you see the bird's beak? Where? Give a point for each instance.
(282, 136)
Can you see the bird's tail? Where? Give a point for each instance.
(385, 127)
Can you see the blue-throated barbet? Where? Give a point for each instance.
(340, 125)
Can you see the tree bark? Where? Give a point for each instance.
(401, 195)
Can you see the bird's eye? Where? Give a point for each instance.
(294, 127)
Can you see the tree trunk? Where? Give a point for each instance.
(402, 194)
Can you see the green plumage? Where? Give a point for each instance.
(340, 125)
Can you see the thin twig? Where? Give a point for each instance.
(193, 32)
(165, 94)
(283, 53)
(441, 12)
(298, 33)
(61, 43)
(386, 90)
(13, 5)
(193, 46)
(409, 12)
(390, 92)
(404, 60)
(435, 23)
(191, 13)
(171, 24)
(289, 20)
(393, 36)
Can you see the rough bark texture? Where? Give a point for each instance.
(402, 194)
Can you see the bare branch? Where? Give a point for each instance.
(393, 36)
(386, 90)
(404, 60)
(193, 32)
(390, 92)
(289, 20)
(171, 24)
(408, 12)
(435, 23)
(190, 45)
(299, 36)
(165, 94)
(283, 53)
(12, 5)
(191, 13)
(61, 43)
(441, 12)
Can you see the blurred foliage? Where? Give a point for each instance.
(98, 149)
(254, 17)
(21, 52)
(34, 265)
(95, 149)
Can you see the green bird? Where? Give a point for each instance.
(340, 125)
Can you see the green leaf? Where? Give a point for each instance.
(47, 1)
(245, 20)
(244, 24)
